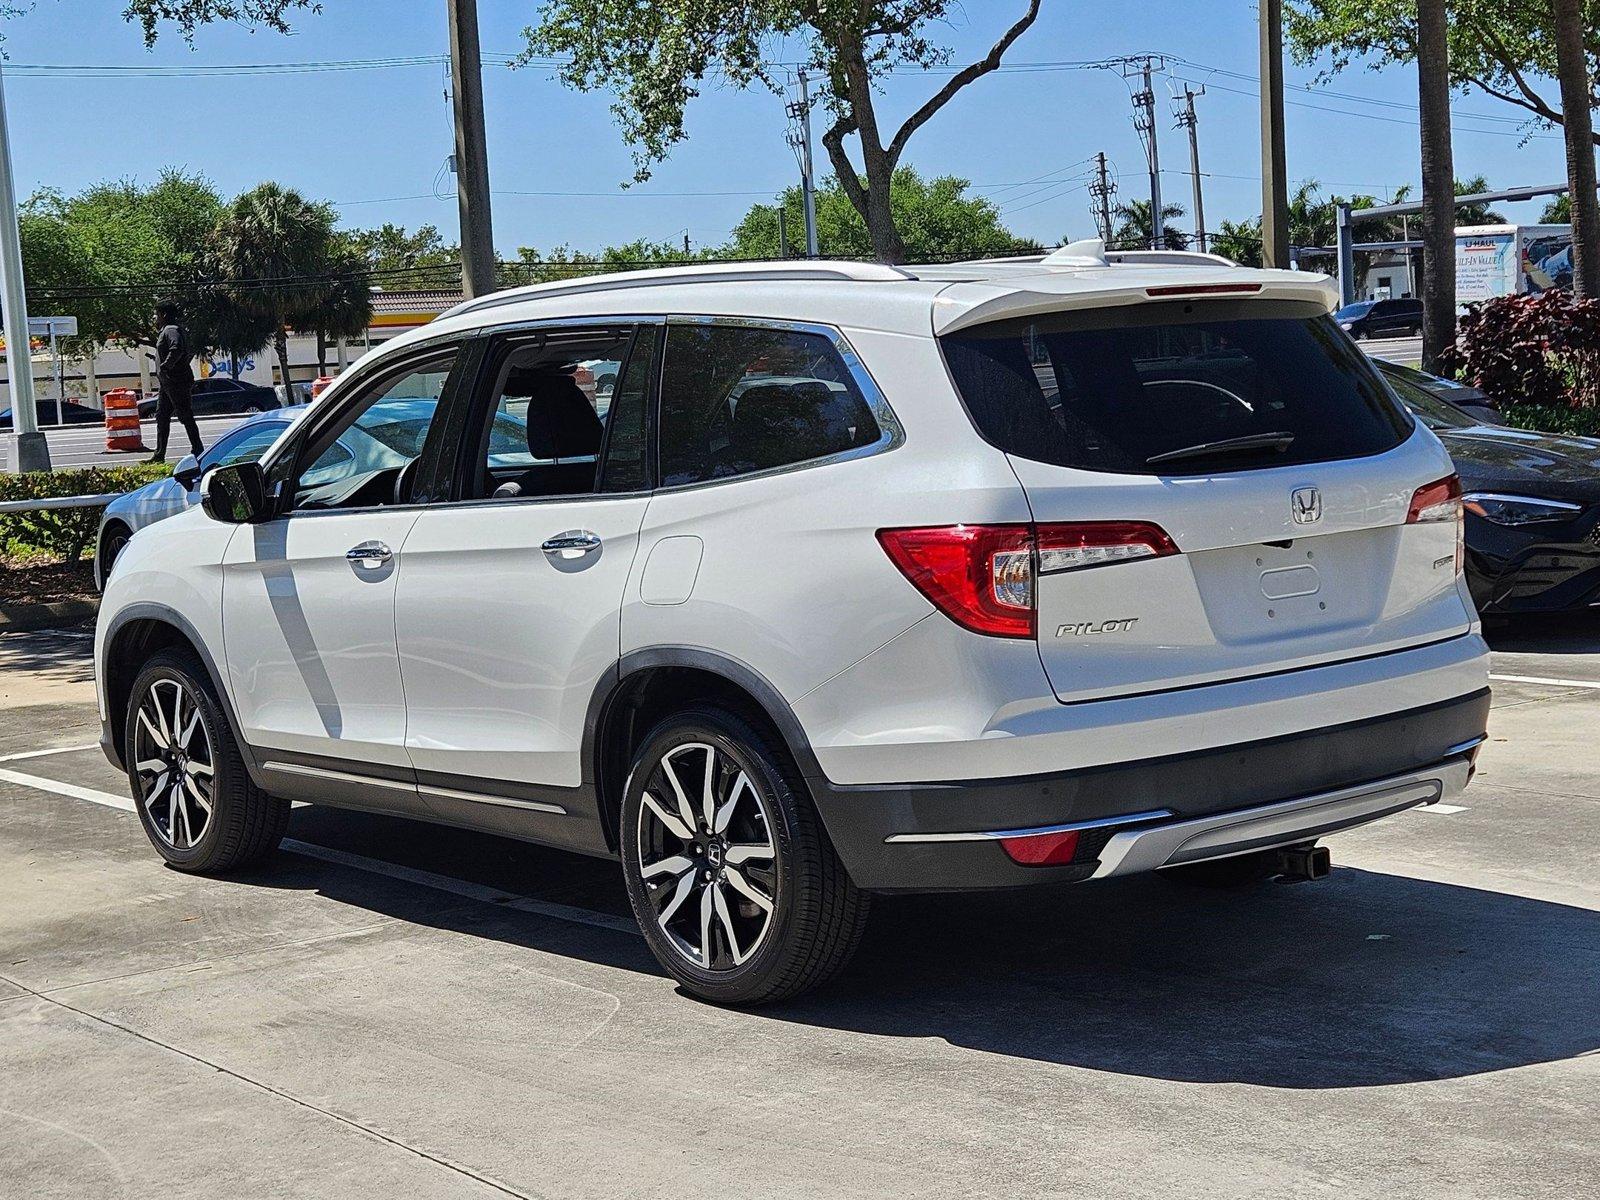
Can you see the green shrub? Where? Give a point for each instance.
(1552, 418)
(65, 533)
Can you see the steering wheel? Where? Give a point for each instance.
(404, 480)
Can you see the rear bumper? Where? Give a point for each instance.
(1137, 816)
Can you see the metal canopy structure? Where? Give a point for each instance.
(1348, 216)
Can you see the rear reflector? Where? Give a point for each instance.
(1043, 849)
(982, 576)
(1204, 289)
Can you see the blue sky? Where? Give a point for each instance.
(374, 141)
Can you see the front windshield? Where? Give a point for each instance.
(1433, 412)
(1359, 309)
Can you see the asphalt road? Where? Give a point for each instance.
(392, 1009)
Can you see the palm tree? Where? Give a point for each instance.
(1476, 214)
(1438, 183)
(1240, 241)
(345, 310)
(275, 246)
(1137, 231)
(1573, 69)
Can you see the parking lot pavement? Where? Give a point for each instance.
(85, 445)
(1407, 351)
(395, 1009)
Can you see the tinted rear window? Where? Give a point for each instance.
(1109, 389)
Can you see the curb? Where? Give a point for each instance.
(46, 614)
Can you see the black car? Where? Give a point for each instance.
(1533, 509)
(218, 395)
(72, 413)
(1480, 406)
(1381, 318)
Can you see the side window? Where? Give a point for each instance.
(243, 445)
(542, 422)
(737, 399)
(362, 461)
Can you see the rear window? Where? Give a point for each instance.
(1112, 389)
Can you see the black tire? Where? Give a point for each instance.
(244, 824)
(817, 915)
(112, 539)
(1240, 871)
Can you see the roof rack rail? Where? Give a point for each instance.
(1092, 252)
(713, 272)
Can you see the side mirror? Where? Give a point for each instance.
(187, 472)
(236, 494)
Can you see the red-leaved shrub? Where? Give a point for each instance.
(1539, 350)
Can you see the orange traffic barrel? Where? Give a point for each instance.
(122, 420)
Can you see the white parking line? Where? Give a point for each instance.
(360, 862)
(1592, 684)
(45, 753)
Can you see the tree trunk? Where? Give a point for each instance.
(280, 344)
(322, 353)
(879, 213)
(1573, 68)
(1438, 184)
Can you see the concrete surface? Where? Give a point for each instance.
(390, 1009)
(85, 445)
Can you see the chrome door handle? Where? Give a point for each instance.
(370, 555)
(573, 543)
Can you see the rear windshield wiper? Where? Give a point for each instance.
(1251, 441)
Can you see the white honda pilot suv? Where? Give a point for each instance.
(853, 579)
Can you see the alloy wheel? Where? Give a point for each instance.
(707, 856)
(175, 765)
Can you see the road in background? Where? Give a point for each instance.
(388, 1008)
(1406, 351)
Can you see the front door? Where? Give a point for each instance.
(308, 598)
(508, 609)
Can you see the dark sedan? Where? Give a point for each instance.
(1533, 509)
(70, 413)
(219, 396)
(1476, 404)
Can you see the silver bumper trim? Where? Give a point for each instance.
(995, 835)
(1221, 835)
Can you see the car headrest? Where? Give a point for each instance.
(771, 420)
(561, 421)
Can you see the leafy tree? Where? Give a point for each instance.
(936, 219)
(1502, 48)
(1558, 211)
(564, 262)
(392, 253)
(344, 308)
(189, 15)
(656, 56)
(1136, 231)
(274, 253)
(1476, 214)
(1240, 241)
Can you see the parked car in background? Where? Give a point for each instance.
(1532, 505)
(870, 579)
(1478, 405)
(71, 413)
(1381, 318)
(218, 396)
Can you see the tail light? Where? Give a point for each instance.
(982, 576)
(1042, 849)
(1437, 502)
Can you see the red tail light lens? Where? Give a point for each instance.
(1440, 501)
(1043, 849)
(982, 576)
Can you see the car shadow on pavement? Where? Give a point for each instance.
(1563, 633)
(1361, 980)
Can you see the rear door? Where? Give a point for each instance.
(1222, 488)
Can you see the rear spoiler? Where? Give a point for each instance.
(963, 305)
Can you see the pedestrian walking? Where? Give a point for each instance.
(175, 376)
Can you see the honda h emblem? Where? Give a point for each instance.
(1306, 504)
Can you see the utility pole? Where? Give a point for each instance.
(1187, 120)
(1274, 157)
(800, 138)
(1101, 190)
(1144, 120)
(472, 155)
(29, 450)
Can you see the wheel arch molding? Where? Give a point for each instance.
(643, 685)
(134, 634)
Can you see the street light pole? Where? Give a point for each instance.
(29, 450)
(472, 154)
